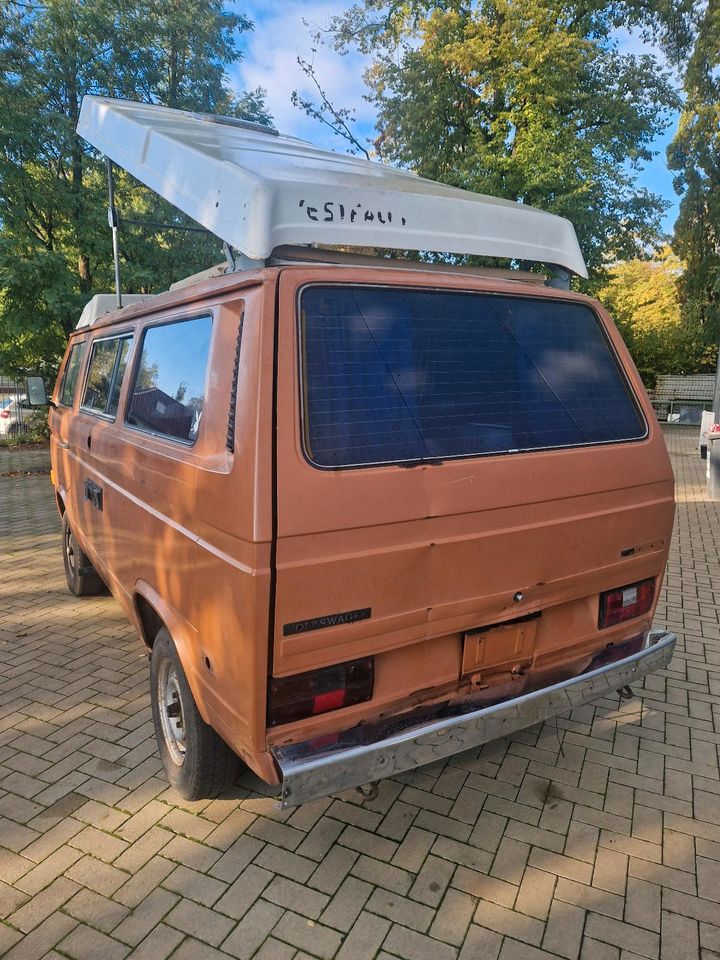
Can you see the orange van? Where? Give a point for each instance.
(364, 513)
(363, 517)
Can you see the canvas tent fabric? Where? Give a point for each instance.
(257, 189)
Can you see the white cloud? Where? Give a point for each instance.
(270, 61)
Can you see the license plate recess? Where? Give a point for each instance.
(504, 648)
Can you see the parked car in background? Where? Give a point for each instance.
(14, 414)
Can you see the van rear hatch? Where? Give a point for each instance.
(463, 468)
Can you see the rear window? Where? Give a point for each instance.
(394, 375)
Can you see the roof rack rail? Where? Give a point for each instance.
(294, 254)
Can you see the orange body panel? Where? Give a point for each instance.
(228, 547)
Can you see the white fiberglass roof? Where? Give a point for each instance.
(257, 189)
(103, 303)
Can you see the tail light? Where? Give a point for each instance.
(624, 603)
(5, 414)
(319, 691)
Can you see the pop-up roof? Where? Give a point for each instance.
(257, 189)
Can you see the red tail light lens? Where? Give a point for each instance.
(319, 691)
(624, 603)
(5, 414)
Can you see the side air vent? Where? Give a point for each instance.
(230, 442)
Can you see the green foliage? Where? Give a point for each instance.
(37, 431)
(55, 246)
(38, 428)
(643, 298)
(695, 156)
(522, 99)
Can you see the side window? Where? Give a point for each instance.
(170, 380)
(71, 374)
(107, 365)
(122, 360)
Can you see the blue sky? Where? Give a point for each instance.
(280, 36)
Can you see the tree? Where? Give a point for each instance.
(522, 99)
(54, 242)
(338, 119)
(695, 156)
(643, 297)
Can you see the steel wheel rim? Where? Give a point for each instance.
(69, 550)
(171, 710)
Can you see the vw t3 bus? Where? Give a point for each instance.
(364, 512)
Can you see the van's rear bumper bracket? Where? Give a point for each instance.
(316, 768)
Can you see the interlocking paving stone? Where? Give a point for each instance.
(253, 929)
(415, 946)
(453, 918)
(347, 904)
(146, 916)
(158, 944)
(334, 868)
(593, 837)
(86, 943)
(43, 904)
(365, 938)
(564, 930)
(535, 896)
(96, 910)
(307, 935)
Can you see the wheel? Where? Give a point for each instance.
(198, 763)
(82, 578)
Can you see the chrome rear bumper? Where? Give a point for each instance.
(311, 769)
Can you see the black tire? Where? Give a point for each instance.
(82, 578)
(198, 763)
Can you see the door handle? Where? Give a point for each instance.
(94, 494)
(64, 444)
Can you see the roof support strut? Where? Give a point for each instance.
(114, 223)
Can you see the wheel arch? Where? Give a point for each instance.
(149, 619)
(151, 612)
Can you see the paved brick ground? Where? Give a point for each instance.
(598, 838)
(23, 460)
